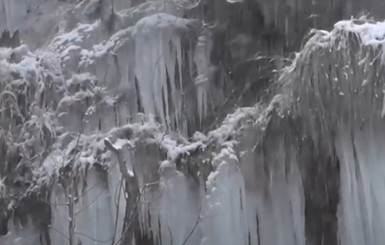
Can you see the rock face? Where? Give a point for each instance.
(183, 122)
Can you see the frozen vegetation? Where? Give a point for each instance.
(134, 123)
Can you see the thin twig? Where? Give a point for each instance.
(117, 204)
(194, 228)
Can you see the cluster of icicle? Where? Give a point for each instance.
(148, 56)
(242, 183)
(97, 74)
(337, 88)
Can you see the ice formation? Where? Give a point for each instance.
(103, 141)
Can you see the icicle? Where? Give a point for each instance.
(224, 221)
(158, 49)
(342, 115)
(177, 225)
(202, 62)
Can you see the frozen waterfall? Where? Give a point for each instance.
(164, 123)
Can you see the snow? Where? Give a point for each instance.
(77, 36)
(175, 150)
(53, 163)
(232, 122)
(234, 1)
(369, 33)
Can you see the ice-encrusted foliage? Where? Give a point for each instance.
(29, 90)
(337, 93)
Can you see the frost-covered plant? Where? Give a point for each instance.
(27, 123)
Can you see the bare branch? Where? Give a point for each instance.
(194, 228)
(122, 165)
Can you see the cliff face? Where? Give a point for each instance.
(189, 122)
